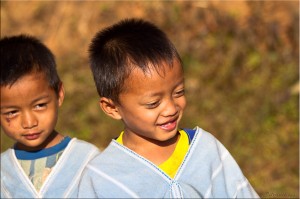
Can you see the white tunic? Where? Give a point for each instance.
(62, 182)
(208, 171)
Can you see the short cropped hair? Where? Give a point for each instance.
(128, 44)
(23, 54)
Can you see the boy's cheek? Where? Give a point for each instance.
(4, 128)
(2, 123)
(8, 130)
(6, 123)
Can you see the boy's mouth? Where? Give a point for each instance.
(32, 136)
(169, 126)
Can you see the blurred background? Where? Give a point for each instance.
(241, 61)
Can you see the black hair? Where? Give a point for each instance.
(23, 54)
(119, 48)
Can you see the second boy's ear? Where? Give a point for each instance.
(109, 108)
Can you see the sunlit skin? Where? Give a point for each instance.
(151, 106)
(29, 109)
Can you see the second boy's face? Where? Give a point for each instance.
(29, 111)
(152, 104)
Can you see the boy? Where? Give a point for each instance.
(139, 77)
(42, 163)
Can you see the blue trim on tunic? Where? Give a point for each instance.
(190, 133)
(32, 155)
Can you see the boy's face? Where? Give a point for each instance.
(152, 104)
(29, 111)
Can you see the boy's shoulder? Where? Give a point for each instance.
(206, 144)
(6, 153)
(84, 143)
(81, 147)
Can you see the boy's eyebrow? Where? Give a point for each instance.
(158, 93)
(40, 98)
(8, 107)
(34, 101)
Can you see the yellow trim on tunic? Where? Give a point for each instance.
(172, 164)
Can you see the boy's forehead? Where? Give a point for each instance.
(151, 68)
(33, 75)
(153, 73)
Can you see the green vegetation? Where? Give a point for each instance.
(241, 63)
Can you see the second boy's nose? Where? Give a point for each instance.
(28, 120)
(170, 108)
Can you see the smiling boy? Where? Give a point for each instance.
(43, 163)
(139, 77)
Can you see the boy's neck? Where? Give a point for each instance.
(155, 151)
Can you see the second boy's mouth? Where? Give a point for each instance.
(169, 125)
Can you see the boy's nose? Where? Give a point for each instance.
(170, 108)
(29, 121)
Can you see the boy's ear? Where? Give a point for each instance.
(61, 94)
(109, 108)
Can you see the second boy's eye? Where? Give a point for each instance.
(180, 93)
(40, 106)
(152, 105)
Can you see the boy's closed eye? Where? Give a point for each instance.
(152, 105)
(180, 93)
(41, 106)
